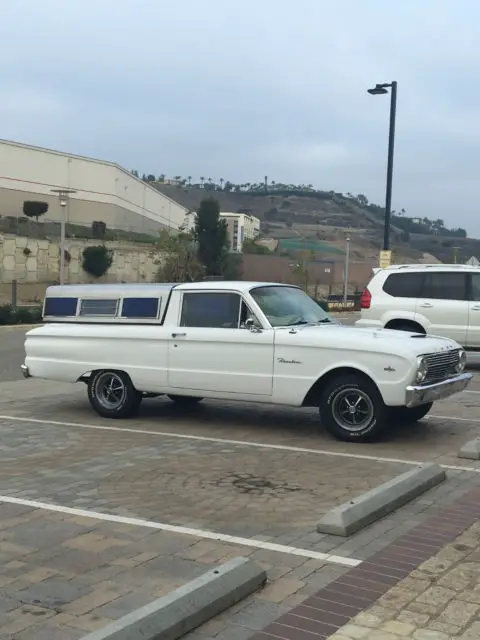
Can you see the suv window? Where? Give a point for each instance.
(444, 285)
(476, 287)
(220, 310)
(404, 285)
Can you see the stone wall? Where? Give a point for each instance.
(29, 260)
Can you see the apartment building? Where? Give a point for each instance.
(240, 227)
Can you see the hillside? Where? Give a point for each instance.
(320, 220)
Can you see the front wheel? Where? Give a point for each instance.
(408, 415)
(112, 394)
(352, 409)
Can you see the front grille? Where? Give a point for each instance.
(441, 365)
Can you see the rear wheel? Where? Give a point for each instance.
(185, 401)
(112, 394)
(352, 409)
(407, 415)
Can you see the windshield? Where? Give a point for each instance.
(288, 306)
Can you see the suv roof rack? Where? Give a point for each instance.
(440, 265)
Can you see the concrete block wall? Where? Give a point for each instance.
(29, 260)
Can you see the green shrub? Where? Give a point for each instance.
(97, 260)
(20, 315)
(321, 303)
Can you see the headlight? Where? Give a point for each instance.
(422, 370)
(462, 362)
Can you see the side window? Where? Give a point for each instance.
(220, 310)
(442, 285)
(403, 285)
(476, 287)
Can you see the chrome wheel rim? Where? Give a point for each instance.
(352, 409)
(110, 391)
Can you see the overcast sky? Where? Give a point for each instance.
(241, 89)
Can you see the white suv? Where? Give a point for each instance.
(440, 299)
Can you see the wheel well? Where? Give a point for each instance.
(411, 324)
(311, 399)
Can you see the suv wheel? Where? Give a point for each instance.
(352, 409)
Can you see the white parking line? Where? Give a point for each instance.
(199, 533)
(245, 443)
(470, 391)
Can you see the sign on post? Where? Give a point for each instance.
(385, 259)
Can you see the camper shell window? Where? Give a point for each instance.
(99, 307)
(140, 308)
(60, 307)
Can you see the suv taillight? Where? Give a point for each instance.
(366, 299)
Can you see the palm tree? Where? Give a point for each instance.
(189, 178)
(221, 183)
(202, 180)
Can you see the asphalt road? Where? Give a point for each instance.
(11, 353)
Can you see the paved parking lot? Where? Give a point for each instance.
(142, 506)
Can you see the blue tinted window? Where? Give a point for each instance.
(140, 307)
(60, 307)
(220, 310)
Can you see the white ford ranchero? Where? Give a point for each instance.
(248, 341)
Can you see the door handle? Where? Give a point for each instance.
(426, 305)
(178, 335)
(476, 308)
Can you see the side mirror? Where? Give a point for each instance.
(252, 326)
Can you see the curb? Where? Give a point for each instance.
(188, 607)
(372, 505)
(470, 450)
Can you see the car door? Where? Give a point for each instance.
(443, 305)
(473, 333)
(212, 350)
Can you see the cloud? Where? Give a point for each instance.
(243, 89)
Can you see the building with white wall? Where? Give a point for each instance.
(241, 227)
(104, 190)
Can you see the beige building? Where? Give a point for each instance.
(241, 227)
(104, 191)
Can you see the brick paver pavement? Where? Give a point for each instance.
(438, 601)
(267, 494)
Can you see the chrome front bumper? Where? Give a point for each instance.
(25, 371)
(431, 392)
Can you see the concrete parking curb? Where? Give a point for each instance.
(470, 450)
(373, 505)
(188, 607)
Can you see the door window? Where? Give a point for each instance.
(444, 285)
(219, 310)
(476, 287)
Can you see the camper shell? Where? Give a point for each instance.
(107, 303)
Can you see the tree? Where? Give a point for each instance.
(33, 209)
(96, 261)
(178, 261)
(150, 177)
(134, 173)
(212, 238)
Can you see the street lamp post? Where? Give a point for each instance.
(380, 89)
(345, 275)
(63, 197)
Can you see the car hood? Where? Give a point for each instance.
(341, 336)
